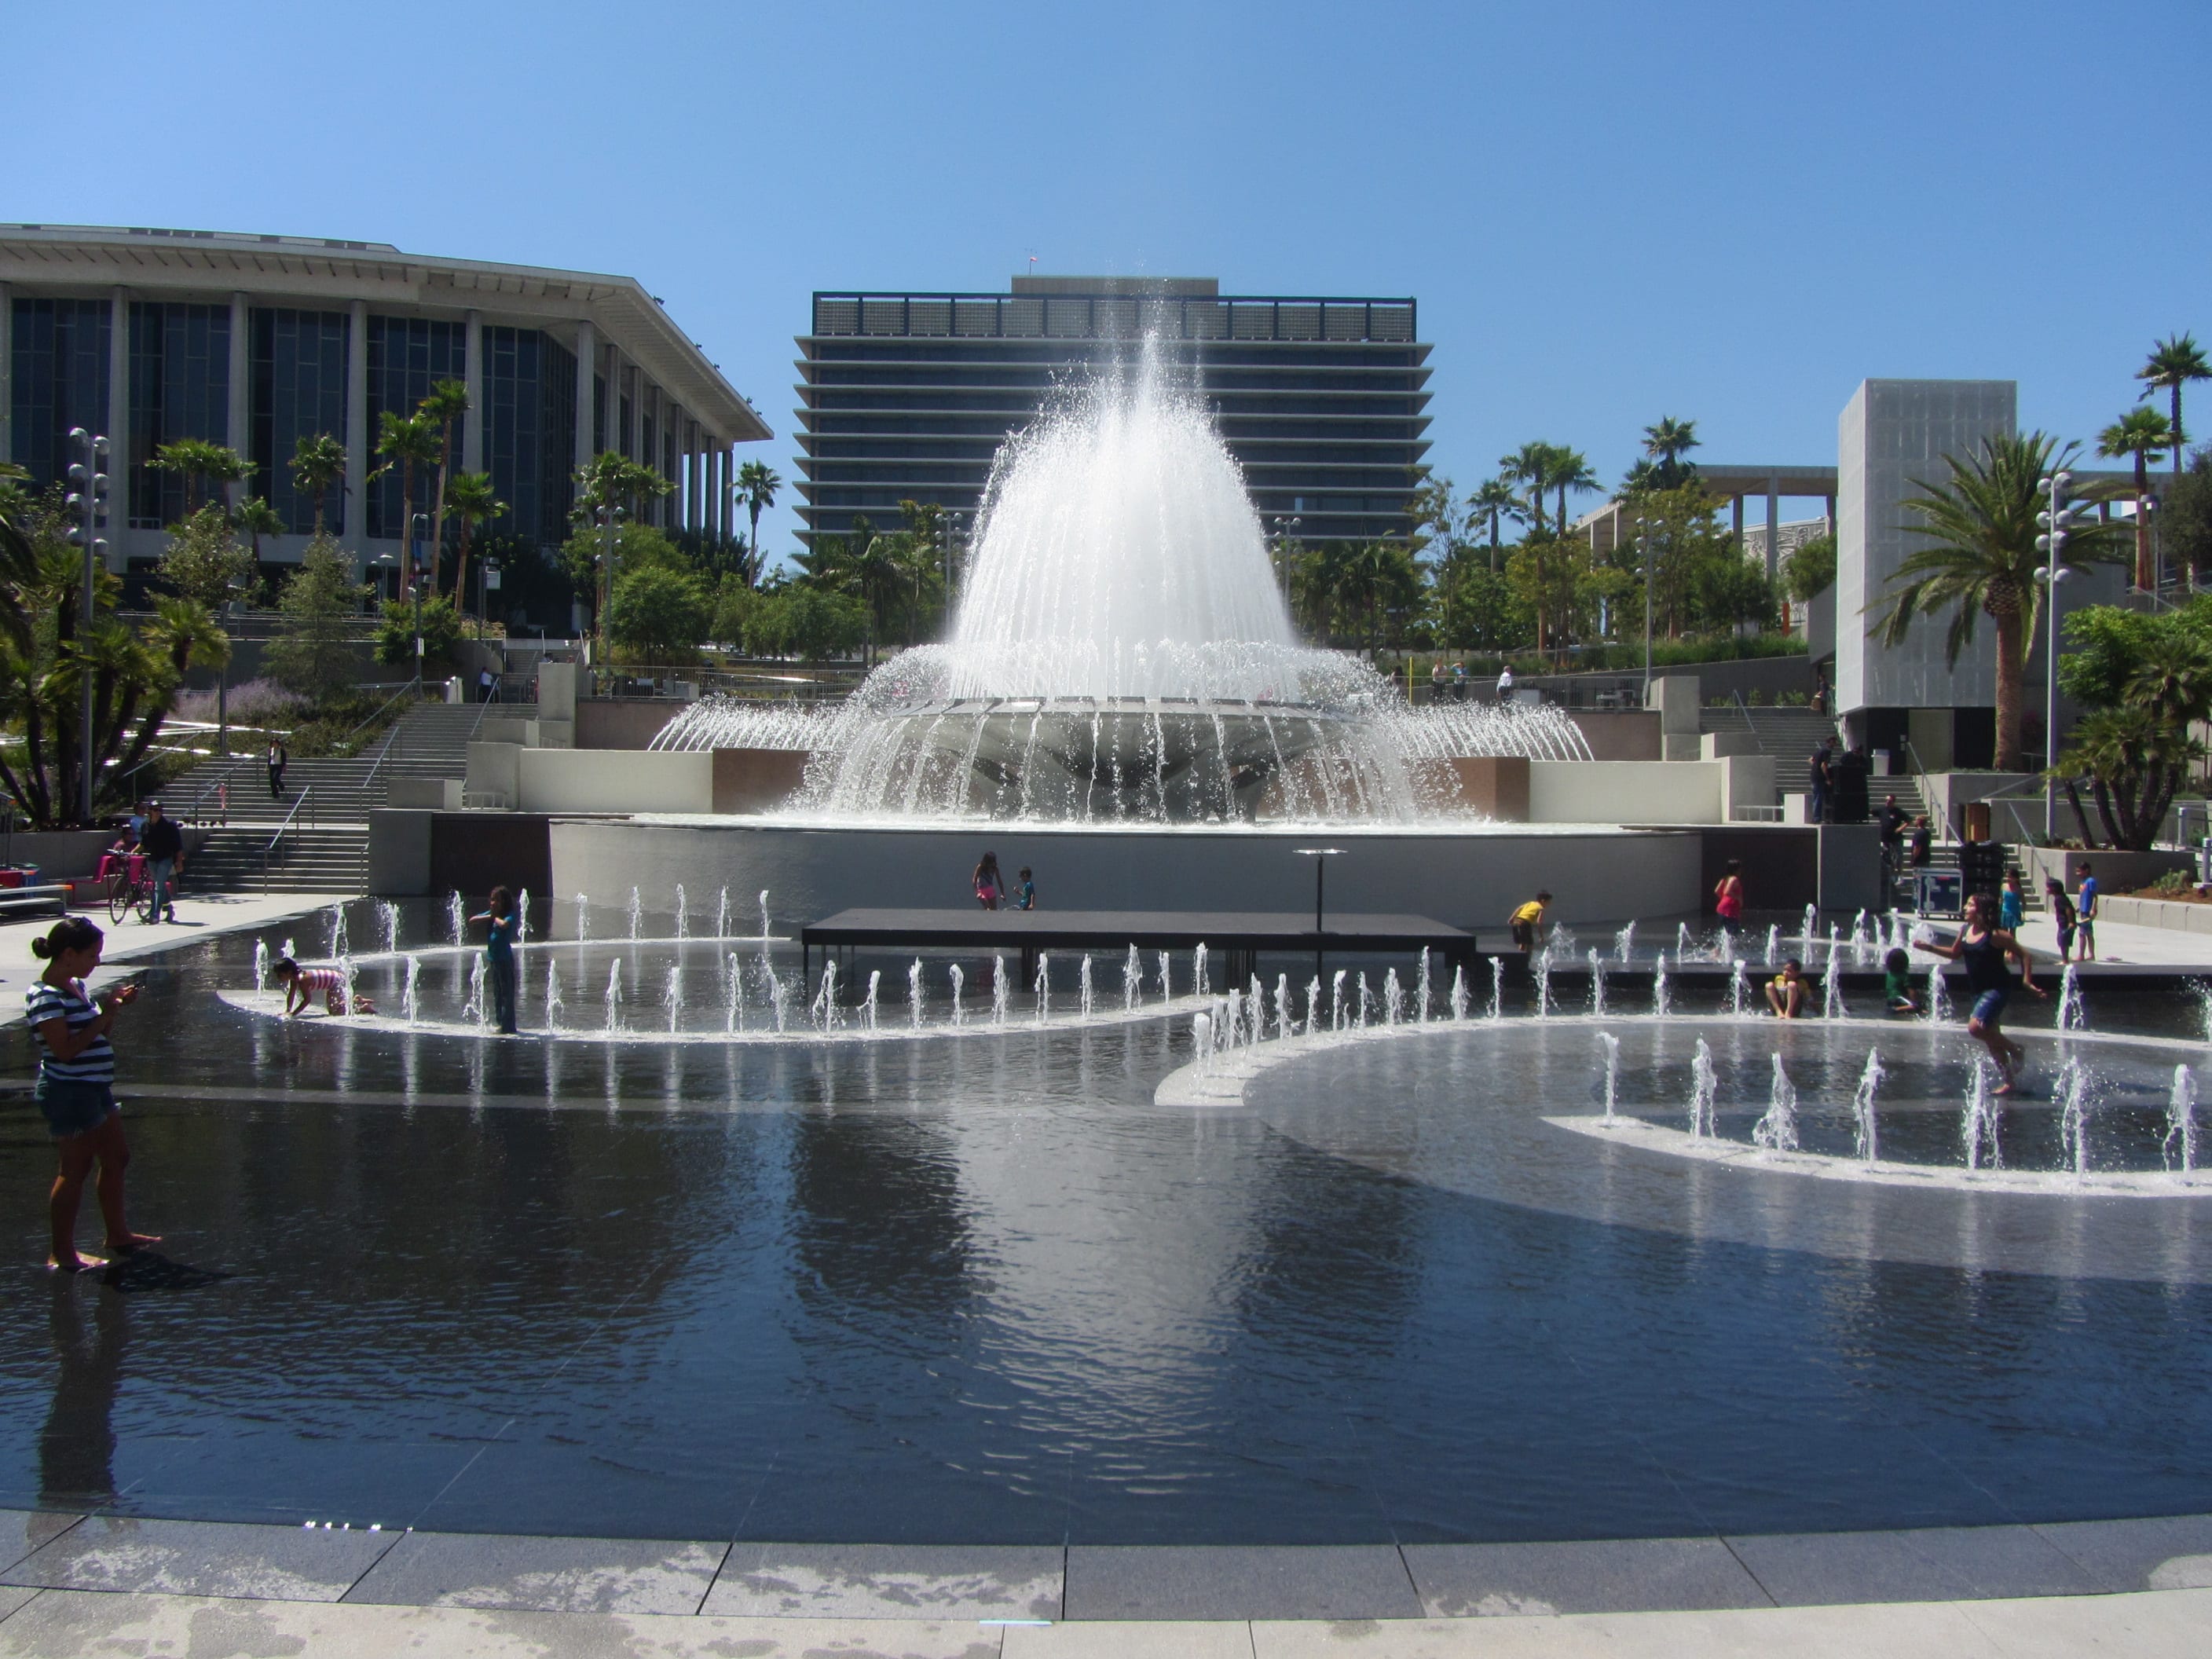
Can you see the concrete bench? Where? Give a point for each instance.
(52, 898)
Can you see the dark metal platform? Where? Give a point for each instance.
(1031, 931)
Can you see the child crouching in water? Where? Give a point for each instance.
(302, 984)
(1896, 982)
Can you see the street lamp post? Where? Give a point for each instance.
(90, 499)
(608, 519)
(2056, 521)
(1644, 540)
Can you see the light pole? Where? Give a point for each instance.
(2056, 521)
(90, 499)
(1643, 541)
(607, 519)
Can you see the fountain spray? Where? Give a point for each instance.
(1133, 981)
(1978, 1126)
(733, 993)
(1661, 999)
(636, 913)
(1497, 1010)
(1336, 1000)
(875, 983)
(553, 1005)
(457, 918)
(959, 1013)
(261, 964)
(1043, 987)
(1201, 1038)
(1681, 941)
(2181, 1123)
(474, 1010)
(521, 917)
(1313, 1005)
(1623, 942)
(1544, 982)
(1805, 945)
(1611, 1044)
(1284, 1025)
(1773, 941)
(1939, 995)
(1739, 989)
(671, 998)
(408, 1003)
(683, 913)
(1394, 999)
(1459, 998)
(583, 917)
(2072, 1015)
(998, 992)
(1198, 977)
(1705, 1085)
(1255, 1009)
(614, 995)
(722, 913)
(824, 1010)
(1597, 982)
(914, 994)
(1360, 1017)
(1421, 988)
(1083, 991)
(1864, 1140)
(2072, 1093)
(1777, 1131)
(1832, 990)
(1167, 981)
(764, 926)
(387, 916)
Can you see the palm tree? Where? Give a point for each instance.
(318, 462)
(2173, 362)
(1570, 469)
(1665, 442)
(1494, 499)
(470, 501)
(199, 461)
(1981, 560)
(404, 441)
(257, 519)
(2145, 435)
(448, 402)
(757, 483)
(1530, 466)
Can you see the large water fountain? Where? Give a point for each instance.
(1122, 652)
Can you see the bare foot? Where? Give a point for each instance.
(75, 1262)
(129, 1241)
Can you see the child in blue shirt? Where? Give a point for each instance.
(1025, 895)
(2085, 904)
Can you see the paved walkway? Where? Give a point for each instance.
(200, 916)
(114, 1585)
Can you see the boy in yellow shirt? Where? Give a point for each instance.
(1527, 919)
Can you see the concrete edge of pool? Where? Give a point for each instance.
(964, 1589)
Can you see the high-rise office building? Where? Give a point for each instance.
(253, 342)
(907, 397)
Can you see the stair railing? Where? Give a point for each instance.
(269, 852)
(1942, 821)
(391, 737)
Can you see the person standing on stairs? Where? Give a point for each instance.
(277, 760)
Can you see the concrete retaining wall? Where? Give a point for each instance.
(624, 722)
(613, 780)
(1636, 792)
(1468, 878)
(2176, 915)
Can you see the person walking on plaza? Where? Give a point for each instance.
(1728, 893)
(1506, 683)
(1787, 990)
(1459, 680)
(2061, 913)
(499, 921)
(2085, 905)
(2012, 904)
(1984, 947)
(486, 686)
(1822, 778)
(1526, 921)
(277, 760)
(75, 1090)
(990, 885)
(1437, 680)
(163, 845)
(1924, 842)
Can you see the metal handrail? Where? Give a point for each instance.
(389, 737)
(221, 778)
(1928, 795)
(269, 851)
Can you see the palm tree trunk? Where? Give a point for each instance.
(2009, 655)
(438, 511)
(2081, 813)
(2176, 430)
(2146, 578)
(461, 568)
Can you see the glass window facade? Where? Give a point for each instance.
(58, 380)
(299, 370)
(1323, 402)
(179, 388)
(407, 356)
(530, 431)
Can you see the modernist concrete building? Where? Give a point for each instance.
(254, 341)
(907, 397)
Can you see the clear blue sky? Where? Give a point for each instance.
(1609, 212)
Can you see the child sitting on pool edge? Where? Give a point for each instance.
(1896, 982)
(1786, 991)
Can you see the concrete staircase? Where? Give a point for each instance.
(1790, 735)
(431, 740)
(330, 859)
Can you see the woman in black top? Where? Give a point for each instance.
(1983, 946)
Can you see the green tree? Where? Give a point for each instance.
(204, 560)
(2186, 521)
(758, 482)
(199, 462)
(1548, 575)
(609, 483)
(1571, 471)
(1530, 467)
(1810, 568)
(449, 402)
(406, 441)
(2146, 681)
(317, 464)
(1665, 442)
(657, 615)
(441, 625)
(311, 653)
(1494, 501)
(470, 499)
(823, 623)
(1979, 526)
(255, 518)
(2146, 435)
(2173, 362)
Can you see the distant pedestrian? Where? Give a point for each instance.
(498, 917)
(2085, 903)
(163, 845)
(1821, 774)
(486, 686)
(1924, 842)
(1025, 891)
(1896, 982)
(1459, 682)
(1437, 680)
(75, 1090)
(223, 805)
(1526, 921)
(302, 985)
(1820, 692)
(2012, 904)
(1728, 893)
(990, 885)
(1506, 683)
(278, 762)
(1786, 992)
(2061, 913)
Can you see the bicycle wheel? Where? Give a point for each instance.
(142, 901)
(118, 895)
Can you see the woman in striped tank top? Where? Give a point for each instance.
(75, 1088)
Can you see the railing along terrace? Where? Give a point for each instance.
(1114, 317)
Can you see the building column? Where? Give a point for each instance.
(617, 433)
(718, 486)
(472, 376)
(353, 503)
(7, 374)
(1774, 528)
(240, 423)
(1735, 504)
(587, 369)
(118, 424)
(1831, 516)
(693, 482)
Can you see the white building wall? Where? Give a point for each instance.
(1892, 433)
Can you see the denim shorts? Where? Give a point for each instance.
(1989, 1004)
(72, 1106)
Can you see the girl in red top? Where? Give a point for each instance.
(1728, 894)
